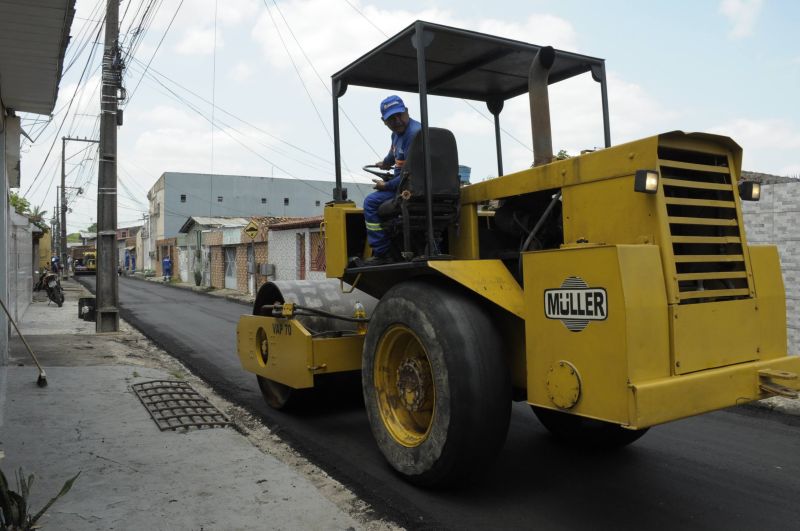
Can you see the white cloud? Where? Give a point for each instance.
(199, 41)
(179, 140)
(197, 21)
(742, 14)
(241, 72)
(331, 46)
(770, 145)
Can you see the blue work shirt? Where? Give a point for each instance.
(399, 151)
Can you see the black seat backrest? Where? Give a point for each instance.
(444, 165)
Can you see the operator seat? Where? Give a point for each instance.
(407, 211)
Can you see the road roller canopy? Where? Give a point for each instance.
(458, 64)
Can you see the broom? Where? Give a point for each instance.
(42, 380)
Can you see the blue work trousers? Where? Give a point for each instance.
(377, 238)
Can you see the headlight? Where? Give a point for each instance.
(750, 191)
(646, 181)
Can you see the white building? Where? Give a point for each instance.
(178, 196)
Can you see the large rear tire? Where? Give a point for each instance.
(436, 385)
(584, 432)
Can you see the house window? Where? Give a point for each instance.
(316, 203)
(219, 199)
(285, 201)
(263, 200)
(183, 198)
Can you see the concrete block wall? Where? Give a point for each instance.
(775, 219)
(283, 253)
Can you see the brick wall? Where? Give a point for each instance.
(213, 237)
(241, 268)
(217, 266)
(775, 219)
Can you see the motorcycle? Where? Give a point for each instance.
(49, 281)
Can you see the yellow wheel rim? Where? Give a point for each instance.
(404, 386)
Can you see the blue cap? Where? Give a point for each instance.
(392, 105)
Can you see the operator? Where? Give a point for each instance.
(395, 116)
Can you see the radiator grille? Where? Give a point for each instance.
(708, 244)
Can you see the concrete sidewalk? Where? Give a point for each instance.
(134, 476)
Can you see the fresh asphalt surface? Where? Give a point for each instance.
(725, 470)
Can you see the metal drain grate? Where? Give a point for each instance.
(176, 405)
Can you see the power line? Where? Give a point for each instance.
(193, 108)
(154, 53)
(196, 109)
(222, 110)
(347, 117)
(49, 151)
(297, 71)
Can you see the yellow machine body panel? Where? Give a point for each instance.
(282, 350)
(602, 311)
(337, 216)
(488, 278)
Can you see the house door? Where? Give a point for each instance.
(230, 267)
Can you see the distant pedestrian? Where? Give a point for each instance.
(166, 266)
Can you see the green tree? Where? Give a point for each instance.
(562, 154)
(92, 228)
(20, 204)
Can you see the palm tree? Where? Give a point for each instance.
(37, 214)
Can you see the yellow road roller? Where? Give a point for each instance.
(612, 291)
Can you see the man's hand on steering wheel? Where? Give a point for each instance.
(384, 175)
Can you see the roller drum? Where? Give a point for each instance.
(323, 295)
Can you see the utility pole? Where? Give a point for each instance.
(107, 286)
(63, 218)
(57, 228)
(62, 226)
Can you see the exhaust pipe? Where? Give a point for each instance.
(540, 105)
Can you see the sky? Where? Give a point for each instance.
(243, 87)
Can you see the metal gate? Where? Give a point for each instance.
(230, 267)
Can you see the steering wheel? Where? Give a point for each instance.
(385, 175)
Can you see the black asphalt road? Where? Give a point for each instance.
(726, 470)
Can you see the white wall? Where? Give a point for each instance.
(4, 221)
(20, 265)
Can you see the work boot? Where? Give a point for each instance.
(380, 259)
